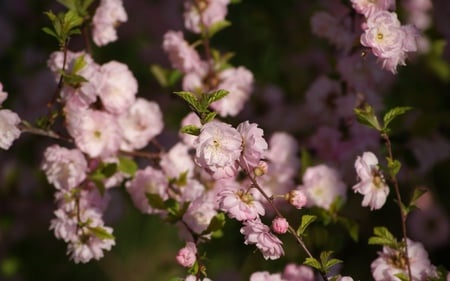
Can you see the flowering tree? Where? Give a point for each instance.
(276, 184)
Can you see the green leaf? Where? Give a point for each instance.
(402, 276)
(50, 32)
(101, 233)
(313, 263)
(155, 201)
(173, 77)
(160, 74)
(418, 192)
(392, 114)
(191, 130)
(306, 161)
(366, 116)
(393, 166)
(218, 26)
(306, 221)
(351, 226)
(192, 100)
(127, 165)
(78, 64)
(217, 223)
(383, 237)
(208, 117)
(215, 96)
(330, 263)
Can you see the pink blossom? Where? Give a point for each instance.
(280, 225)
(323, 185)
(372, 184)
(327, 26)
(204, 15)
(3, 95)
(140, 124)
(254, 145)
(187, 256)
(369, 7)
(90, 247)
(282, 156)
(240, 204)
(388, 39)
(391, 262)
(106, 18)
(297, 198)
(257, 233)
(182, 56)
(64, 168)
(9, 130)
(218, 147)
(239, 83)
(119, 87)
(177, 161)
(266, 276)
(200, 213)
(194, 278)
(293, 272)
(147, 181)
(96, 133)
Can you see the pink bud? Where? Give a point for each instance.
(186, 256)
(297, 198)
(280, 225)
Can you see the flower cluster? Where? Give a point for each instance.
(9, 121)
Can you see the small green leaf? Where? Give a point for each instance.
(393, 166)
(215, 96)
(418, 192)
(49, 32)
(155, 201)
(330, 263)
(366, 116)
(313, 263)
(78, 64)
(101, 233)
(306, 161)
(208, 117)
(127, 165)
(306, 221)
(191, 130)
(69, 4)
(392, 114)
(160, 74)
(192, 100)
(402, 276)
(383, 237)
(217, 223)
(218, 26)
(173, 77)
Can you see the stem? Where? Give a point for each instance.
(399, 199)
(290, 229)
(25, 127)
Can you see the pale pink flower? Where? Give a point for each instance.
(187, 255)
(280, 225)
(182, 56)
(282, 155)
(218, 147)
(239, 83)
(109, 14)
(240, 204)
(140, 124)
(204, 15)
(372, 184)
(368, 7)
(266, 276)
(344, 278)
(9, 130)
(3, 95)
(119, 87)
(90, 247)
(389, 40)
(147, 181)
(323, 185)
(194, 81)
(257, 233)
(191, 191)
(254, 145)
(194, 278)
(200, 213)
(64, 168)
(293, 272)
(96, 133)
(190, 119)
(297, 198)
(177, 161)
(391, 262)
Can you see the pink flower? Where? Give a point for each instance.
(323, 185)
(187, 256)
(182, 56)
(257, 233)
(3, 95)
(205, 14)
(147, 181)
(391, 262)
(239, 83)
(141, 123)
(9, 130)
(119, 87)
(280, 225)
(240, 204)
(297, 198)
(218, 147)
(177, 161)
(265, 276)
(254, 145)
(96, 133)
(369, 7)
(330, 27)
(372, 184)
(90, 247)
(388, 39)
(64, 168)
(200, 213)
(282, 156)
(106, 18)
(293, 272)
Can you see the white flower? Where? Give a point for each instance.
(372, 184)
(106, 18)
(8, 128)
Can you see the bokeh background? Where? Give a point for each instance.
(274, 40)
